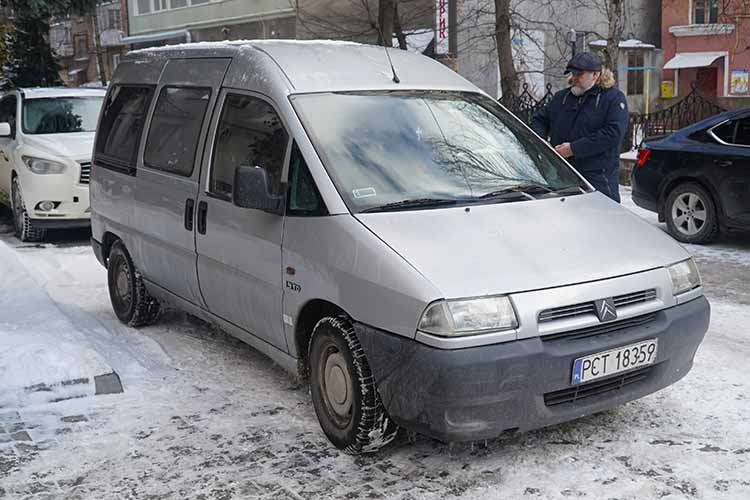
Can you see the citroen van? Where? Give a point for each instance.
(380, 227)
(46, 140)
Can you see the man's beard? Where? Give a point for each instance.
(579, 91)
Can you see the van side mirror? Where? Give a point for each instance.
(5, 130)
(251, 190)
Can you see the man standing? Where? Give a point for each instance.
(586, 122)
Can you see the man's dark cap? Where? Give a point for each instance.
(584, 61)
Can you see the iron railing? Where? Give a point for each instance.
(693, 108)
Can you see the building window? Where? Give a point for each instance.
(148, 6)
(706, 12)
(113, 19)
(144, 6)
(635, 76)
(81, 45)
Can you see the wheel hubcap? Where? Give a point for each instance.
(122, 285)
(689, 213)
(338, 386)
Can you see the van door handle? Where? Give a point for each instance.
(202, 212)
(723, 163)
(189, 210)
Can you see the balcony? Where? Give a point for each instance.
(701, 29)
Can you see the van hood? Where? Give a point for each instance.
(523, 246)
(76, 145)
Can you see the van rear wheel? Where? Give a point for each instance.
(344, 393)
(130, 300)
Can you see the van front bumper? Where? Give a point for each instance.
(482, 392)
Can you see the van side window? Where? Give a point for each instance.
(250, 133)
(8, 113)
(304, 198)
(122, 123)
(175, 129)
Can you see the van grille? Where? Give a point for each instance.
(602, 329)
(596, 388)
(585, 308)
(85, 172)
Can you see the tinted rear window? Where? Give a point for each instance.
(122, 123)
(175, 129)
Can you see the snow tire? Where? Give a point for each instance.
(24, 228)
(130, 300)
(339, 372)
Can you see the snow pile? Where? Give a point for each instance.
(625, 44)
(42, 355)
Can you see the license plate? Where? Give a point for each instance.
(614, 361)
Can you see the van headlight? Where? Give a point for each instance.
(42, 166)
(456, 318)
(685, 276)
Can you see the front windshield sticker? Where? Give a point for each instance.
(364, 192)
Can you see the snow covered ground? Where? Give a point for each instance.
(205, 417)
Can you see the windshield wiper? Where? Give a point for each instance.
(570, 190)
(412, 203)
(519, 189)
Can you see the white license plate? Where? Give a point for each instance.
(614, 361)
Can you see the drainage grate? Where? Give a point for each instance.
(596, 388)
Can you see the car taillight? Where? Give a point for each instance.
(642, 156)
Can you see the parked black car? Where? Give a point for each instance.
(698, 178)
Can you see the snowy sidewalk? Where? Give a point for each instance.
(43, 356)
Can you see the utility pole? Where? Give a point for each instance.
(452, 29)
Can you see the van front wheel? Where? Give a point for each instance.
(344, 393)
(130, 300)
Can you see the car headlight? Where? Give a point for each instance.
(685, 276)
(42, 166)
(456, 318)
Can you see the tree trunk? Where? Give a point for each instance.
(397, 27)
(385, 22)
(508, 75)
(98, 48)
(614, 33)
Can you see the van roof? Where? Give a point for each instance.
(42, 92)
(326, 65)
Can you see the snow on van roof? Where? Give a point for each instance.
(334, 65)
(239, 43)
(42, 92)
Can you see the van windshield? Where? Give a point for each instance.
(419, 149)
(58, 115)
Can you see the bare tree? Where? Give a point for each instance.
(368, 21)
(508, 76)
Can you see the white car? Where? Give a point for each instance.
(46, 140)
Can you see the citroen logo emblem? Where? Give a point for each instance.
(605, 309)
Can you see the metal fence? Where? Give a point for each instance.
(692, 108)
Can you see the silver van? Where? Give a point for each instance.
(389, 233)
